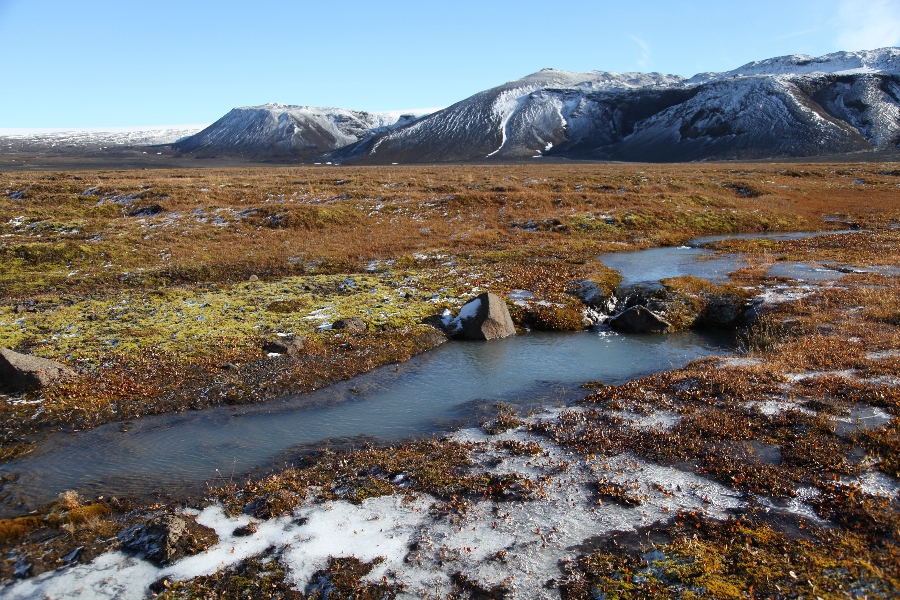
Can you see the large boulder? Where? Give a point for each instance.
(20, 372)
(639, 319)
(484, 318)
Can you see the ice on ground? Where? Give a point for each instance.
(862, 417)
(660, 419)
(780, 294)
(739, 361)
(882, 355)
(520, 295)
(517, 543)
(774, 407)
(798, 505)
(843, 374)
(875, 483)
(110, 575)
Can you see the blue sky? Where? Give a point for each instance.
(95, 63)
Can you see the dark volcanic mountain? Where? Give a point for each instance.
(791, 106)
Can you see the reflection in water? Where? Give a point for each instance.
(427, 394)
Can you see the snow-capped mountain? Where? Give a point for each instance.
(781, 107)
(95, 137)
(788, 106)
(885, 60)
(301, 132)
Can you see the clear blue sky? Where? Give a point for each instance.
(93, 63)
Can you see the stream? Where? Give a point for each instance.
(454, 385)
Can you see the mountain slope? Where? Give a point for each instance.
(301, 132)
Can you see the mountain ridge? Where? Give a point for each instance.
(789, 106)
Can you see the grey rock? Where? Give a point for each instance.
(351, 325)
(290, 345)
(20, 372)
(161, 539)
(22, 568)
(721, 310)
(591, 295)
(484, 318)
(639, 319)
(157, 539)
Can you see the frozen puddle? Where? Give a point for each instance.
(516, 544)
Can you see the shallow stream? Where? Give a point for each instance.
(452, 385)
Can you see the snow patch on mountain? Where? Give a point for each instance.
(98, 136)
(883, 60)
(300, 131)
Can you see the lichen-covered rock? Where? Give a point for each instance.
(20, 372)
(166, 538)
(351, 325)
(639, 319)
(484, 318)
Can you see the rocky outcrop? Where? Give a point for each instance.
(484, 318)
(351, 325)
(20, 372)
(684, 309)
(639, 319)
(593, 296)
(166, 538)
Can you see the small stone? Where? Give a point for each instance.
(351, 325)
(166, 538)
(245, 530)
(160, 585)
(253, 278)
(289, 345)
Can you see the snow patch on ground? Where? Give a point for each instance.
(738, 361)
(516, 543)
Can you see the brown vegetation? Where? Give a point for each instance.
(95, 257)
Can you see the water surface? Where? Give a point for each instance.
(695, 259)
(433, 392)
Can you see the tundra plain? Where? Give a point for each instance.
(163, 289)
